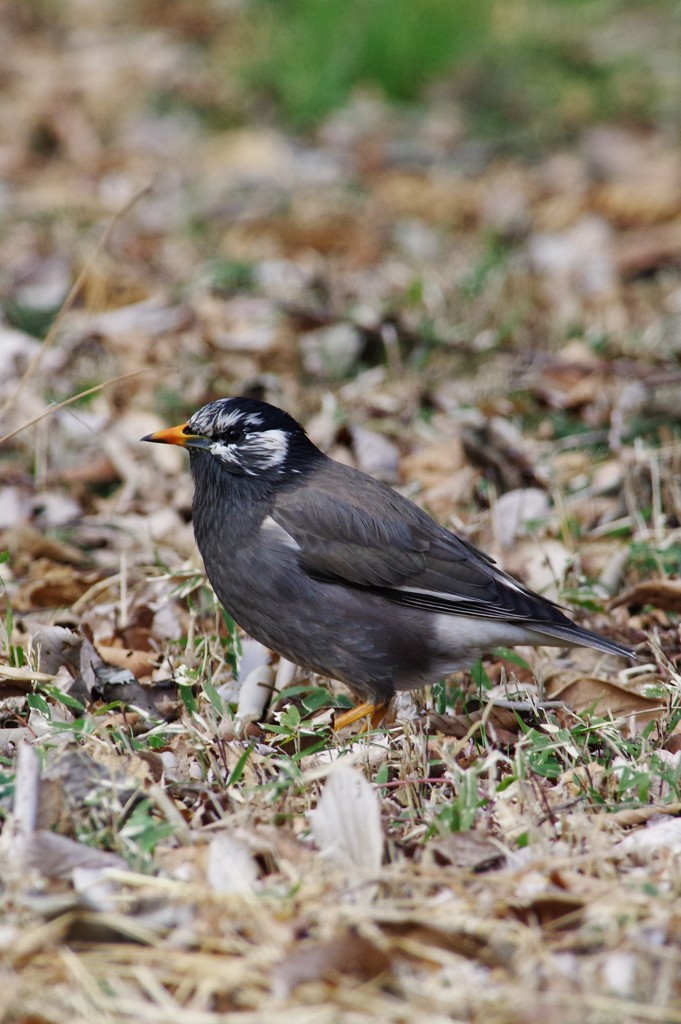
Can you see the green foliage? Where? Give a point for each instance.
(527, 71)
(7, 776)
(233, 643)
(14, 653)
(33, 320)
(493, 257)
(649, 558)
(230, 276)
(459, 814)
(479, 676)
(310, 54)
(303, 737)
(143, 831)
(240, 766)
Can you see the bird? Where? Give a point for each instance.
(340, 573)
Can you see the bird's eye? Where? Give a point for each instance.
(233, 434)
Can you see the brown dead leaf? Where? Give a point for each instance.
(559, 910)
(497, 447)
(501, 725)
(15, 682)
(660, 593)
(642, 202)
(138, 637)
(97, 470)
(423, 942)
(25, 540)
(587, 390)
(585, 693)
(346, 954)
(439, 200)
(467, 850)
(432, 463)
(630, 816)
(53, 586)
(140, 663)
(641, 251)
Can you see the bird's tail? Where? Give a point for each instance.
(575, 636)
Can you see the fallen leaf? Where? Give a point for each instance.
(559, 910)
(433, 463)
(119, 684)
(467, 850)
(52, 585)
(26, 540)
(643, 250)
(230, 867)
(664, 834)
(375, 454)
(514, 509)
(347, 954)
(660, 593)
(602, 696)
(55, 856)
(346, 822)
(56, 646)
(140, 663)
(630, 816)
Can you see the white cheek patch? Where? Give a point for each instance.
(225, 452)
(267, 449)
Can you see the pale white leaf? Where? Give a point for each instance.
(346, 822)
(664, 833)
(230, 867)
(515, 508)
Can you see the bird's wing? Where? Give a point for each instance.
(397, 550)
(337, 539)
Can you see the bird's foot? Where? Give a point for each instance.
(375, 712)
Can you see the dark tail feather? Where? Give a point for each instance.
(575, 636)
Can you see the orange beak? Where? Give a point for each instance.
(179, 435)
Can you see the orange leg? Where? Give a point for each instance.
(375, 712)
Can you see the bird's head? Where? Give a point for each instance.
(248, 438)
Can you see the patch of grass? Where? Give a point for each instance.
(33, 320)
(308, 55)
(459, 813)
(649, 558)
(491, 259)
(530, 73)
(230, 276)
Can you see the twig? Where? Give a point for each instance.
(69, 401)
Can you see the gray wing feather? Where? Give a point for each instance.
(403, 555)
(399, 551)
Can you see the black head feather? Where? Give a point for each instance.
(252, 439)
